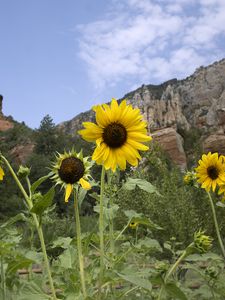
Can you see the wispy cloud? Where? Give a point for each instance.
(152, 40)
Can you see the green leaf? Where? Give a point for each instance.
(44, 202)
(62, 242)
(19, 217)
(136, 280)
(174, 291)
(81, 195)
(143, 184)
(149, 244)
(109, 213)
(30, 290)
(19, 262)
(36, 184)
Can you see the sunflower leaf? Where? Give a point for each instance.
(136, 280)
(174, 291)
(38, 182)
(44, 202)
(143, 184)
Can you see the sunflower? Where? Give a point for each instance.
(118, 134)
(1, 173)
(133, 225)
(211, 171)
(71, 169)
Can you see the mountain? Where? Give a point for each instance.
(177, 109)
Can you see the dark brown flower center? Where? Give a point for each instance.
(115, 135)
(71, 170)
(213, 172)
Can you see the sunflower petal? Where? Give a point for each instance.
(85, 184)
(69, 188)
(1, 173)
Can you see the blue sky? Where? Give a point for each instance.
(61, 57)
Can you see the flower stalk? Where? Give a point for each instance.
(37, 224)
(111, 229)
(170, 272)
(79, 244)
(101, 228)
(216, 224)
(3, 279)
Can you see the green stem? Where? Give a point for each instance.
(3, 279)
(43, 248)
(172, 269)
(216, 225)
(111, 230)
(37, 224)
(79, 245)
(101, 229)
(136, 235)
(122, 231)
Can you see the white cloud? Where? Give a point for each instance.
(152, 40)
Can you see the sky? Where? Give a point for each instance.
(61, 57)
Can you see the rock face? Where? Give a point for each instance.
(5, 124)
(195, 102)
(172, 143)
(20, 153)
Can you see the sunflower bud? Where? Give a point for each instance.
(202, 242)
(23, 171)
(190, 178)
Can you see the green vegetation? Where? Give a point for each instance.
(156, 228)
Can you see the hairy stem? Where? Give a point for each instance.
(216, 225)
(79, 245)
(101, 229)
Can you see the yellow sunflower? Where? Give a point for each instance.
(1, 173)
(211, 171)
(118, 134)
(71, 169)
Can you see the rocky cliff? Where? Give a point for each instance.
(178, 106)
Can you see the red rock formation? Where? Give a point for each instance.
(172, 143)
(20, 153)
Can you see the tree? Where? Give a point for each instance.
(46, 137)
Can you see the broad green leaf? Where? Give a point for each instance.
(131, 214)
(136, 280)
(146, 222)
(19, 262)
(174, 291)
(41, 205)
(149, 244)
(19, 217)
(31, 290)
(62, 242)
(81, 195)
(36, 184)
(143, 184)
(109, 213)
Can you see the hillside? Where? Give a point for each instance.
(177, 110)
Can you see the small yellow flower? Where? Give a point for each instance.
(211, 171)
(119, 134)
(133, 225)
(1, 173)
(71, 169)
